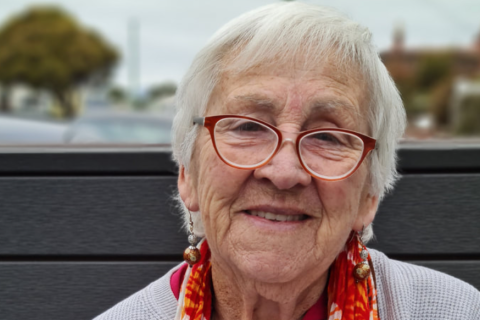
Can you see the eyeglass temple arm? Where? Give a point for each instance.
(200, 121)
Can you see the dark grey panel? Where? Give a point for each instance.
(431, 214)
(89, 216)
(426, 214)
(73, 291)
(468, 271)
(86, 160)
(440, 157)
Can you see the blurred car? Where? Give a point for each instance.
(120, 128)
(14, 131)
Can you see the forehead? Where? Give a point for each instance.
(291, 86)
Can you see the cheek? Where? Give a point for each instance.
(339, 211)
(341, 201)
(218, 187)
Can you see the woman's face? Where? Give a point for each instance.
(293, 100)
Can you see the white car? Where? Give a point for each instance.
(15, 131)
(120, 128)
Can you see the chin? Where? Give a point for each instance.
(269, 267)
(270, 252)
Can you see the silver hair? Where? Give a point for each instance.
(283, 31)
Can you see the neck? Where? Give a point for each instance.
(240, 298)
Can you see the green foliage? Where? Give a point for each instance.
(5, 99)
(117, 95)
(163, 90)
(407, 92)
(433, 69)
(418, 105)
(428, 88)
(46, 48)
(441, 98)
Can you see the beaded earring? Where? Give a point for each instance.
(362, 269)
(191, 255)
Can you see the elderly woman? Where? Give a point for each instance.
(285, 139)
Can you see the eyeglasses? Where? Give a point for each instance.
(329, 154)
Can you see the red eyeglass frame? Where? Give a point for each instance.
(209, 122)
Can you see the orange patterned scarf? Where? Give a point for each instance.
(347, 299)
(195, 300)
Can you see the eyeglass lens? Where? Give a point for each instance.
(246, 144)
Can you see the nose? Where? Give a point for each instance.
(284, 170)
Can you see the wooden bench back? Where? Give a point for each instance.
(80, 231)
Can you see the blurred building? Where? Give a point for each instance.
(439, 86)
(465, 106)
(403, 62)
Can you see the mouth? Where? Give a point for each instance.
(277, 217)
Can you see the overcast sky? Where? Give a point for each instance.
(172, 31)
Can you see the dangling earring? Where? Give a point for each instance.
(191, 255)
(362, 269)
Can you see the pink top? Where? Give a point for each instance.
(317, 312)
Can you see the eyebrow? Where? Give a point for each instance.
(317, 106)
(257, 100)
(334, 106)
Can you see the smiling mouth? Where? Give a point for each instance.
(277, 217)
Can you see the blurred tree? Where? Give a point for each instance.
(440, 102)
(45, 48)
(407, 91)
(427, 88)
(163, 90)
(5, 99)
(117, 95)
(433, 69)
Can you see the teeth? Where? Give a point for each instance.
(276, 217)
(270, 216)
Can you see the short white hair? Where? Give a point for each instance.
(279, 32)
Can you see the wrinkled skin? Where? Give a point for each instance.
(264, 269)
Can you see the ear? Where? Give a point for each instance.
(366, 214)
(186, 189)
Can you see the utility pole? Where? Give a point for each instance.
(133, 61)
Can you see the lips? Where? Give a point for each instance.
(277, 217)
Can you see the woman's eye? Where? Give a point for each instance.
(324, 136)
(249, 126)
